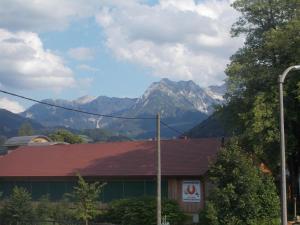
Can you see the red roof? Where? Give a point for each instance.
(179, 158)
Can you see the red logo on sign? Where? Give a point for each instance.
(191, 189)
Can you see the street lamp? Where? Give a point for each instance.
(282, 145)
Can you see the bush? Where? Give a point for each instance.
(43, 209)
(137, 211)
(174, 214)
(62, 212)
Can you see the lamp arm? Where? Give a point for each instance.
(283, 75)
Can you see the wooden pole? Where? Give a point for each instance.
(158, 170)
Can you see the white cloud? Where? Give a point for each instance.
(11, 105)
(81, 53)
(178, 39)
(44, 15)
(24, 63)
(85, 82)
(88, 68)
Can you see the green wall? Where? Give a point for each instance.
(112, 190)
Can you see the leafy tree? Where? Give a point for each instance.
(242, 194)
(85, 197)
(272, 43)
(18, 208)
(66, 136)
(25, 129)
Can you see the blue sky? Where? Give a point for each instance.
(110, 76)
(70, 48)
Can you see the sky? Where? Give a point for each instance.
(65, 49)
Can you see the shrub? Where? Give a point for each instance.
(137, 211)
(18, 208)
(62, 212)
(43, 208)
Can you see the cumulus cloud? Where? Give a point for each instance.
(178, 39)
(85, 82)
(43, 15)
(11, 105)
(81, 53)
(24, 63)
(88, 68)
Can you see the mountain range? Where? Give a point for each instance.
(10, 123)
(182, 105)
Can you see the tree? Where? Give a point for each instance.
(242, 194)
(66, 136)
(272, 44)
(85, 197)
(2, 140)
(25, 129)
(18, 208)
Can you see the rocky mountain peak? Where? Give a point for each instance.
(182, 94)
(84, 99)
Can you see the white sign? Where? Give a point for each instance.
(191, 191)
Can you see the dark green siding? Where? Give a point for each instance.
(112, 190)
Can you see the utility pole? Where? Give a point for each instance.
(158, 170)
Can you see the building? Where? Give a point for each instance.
(15, 142)
(128, 168)
(33, 140)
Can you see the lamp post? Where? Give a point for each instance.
(282, 145)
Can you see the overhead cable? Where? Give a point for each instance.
(91, 113)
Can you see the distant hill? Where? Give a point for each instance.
(181, 104)
(10, 123)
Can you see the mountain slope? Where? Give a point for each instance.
(51, 116)
(181, 104)
(211, 127)
(10, 123)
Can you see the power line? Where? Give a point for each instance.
(171, 128)
(77, 110)
(90, 113)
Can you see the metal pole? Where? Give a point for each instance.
(282, 147)
(158, 171)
